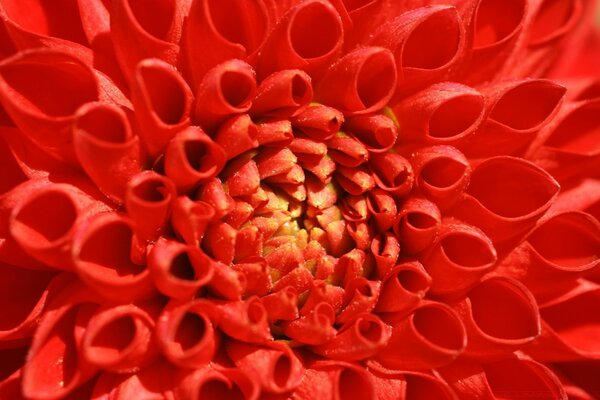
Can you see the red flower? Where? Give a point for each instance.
(274, 199)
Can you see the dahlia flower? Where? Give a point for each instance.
(299, 199)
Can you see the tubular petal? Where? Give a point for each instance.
(297, 42)
(106, 148)
(361, 82)
(163, 103)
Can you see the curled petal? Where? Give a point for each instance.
(213, 194)
(256, 275)
(323, 292)
(319, 122)
(426, 43)
(432, 336)
(569, 327)
(385, 249)
(491, 40)
(273, 162)
(43, 222)
(242, 177)
(237, 135)
(516, 112)
(558, 251)
(514, 374)
(178, 270)
(377, 132)
(314, 328)
(392, 173)
(23, 296)
(382, 207)
(417, 224)
(442, 174)
(275, 133)
(336, 380)
(190, 219)
(361, 297)
(226, 282)
(151, 383)
(41, 90)
(276, 367)
(410, 385)
(149, 199)
(54, 366)
(142, 31)
(282, 94)
(162, 102)
(245, 320)
(347, 151)
(282, 304)
(217, 31)
(106, 148)
(308, 37)
(444, 113)
(119, 338)
(500, 316)
(220, 241)
(226, 90)
(212, 383)
(570, 142)
(186, 332)
(361, 82)
(355, 181)
(451, 268)
(520, 194)
(103, 249)
(192, 158)
(357, 340)
(403, 288)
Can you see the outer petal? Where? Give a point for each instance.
(430, 337)
(143, 30)
(296, 43)
(186, 332)
(106, 148)
(41, 90)
(426, 42)
(217, 31)
(520, 194)
(111, 273)
(361, 82)
(162, 102)
(276, 367)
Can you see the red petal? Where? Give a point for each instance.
(142, 31)
(282, 94)
(106, 148)
(276, 367)
(193, 158)
(297, 42)
(41, 90)
(430, 337)
(444, 113)
(119, 338)
(226, 90)
(186, 332)
(417, 224)
(217, 31)
(178, 270)
(162, 101)
(451, 268)
(110, 273)
(361, 82)
(500, 316)
(506, 196)
(245, 320)
(403, 288)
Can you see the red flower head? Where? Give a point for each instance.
(299, 199)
